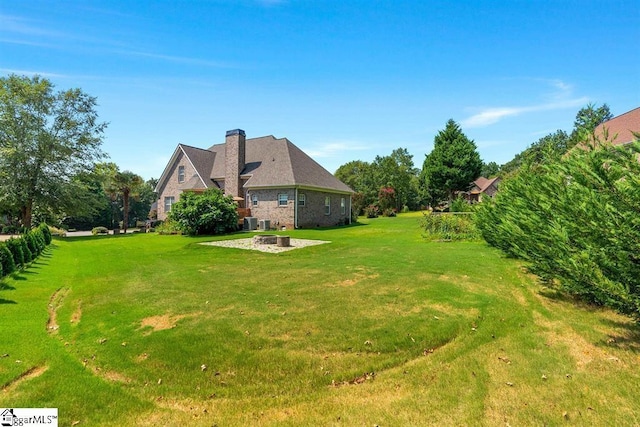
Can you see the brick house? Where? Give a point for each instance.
(270, 178)
(482, 187)
(619, 130)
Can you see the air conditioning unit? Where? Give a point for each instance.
(265, 224)
(250, 223)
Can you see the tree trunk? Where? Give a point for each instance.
(26, 213)
(125, 208)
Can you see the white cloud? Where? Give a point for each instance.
(334, 148)
(32, 73)
(560, 99)
(177, 59)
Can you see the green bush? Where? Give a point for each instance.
(32, 243)
(449, 226)
(46, 232)
(6, 259)
(100, 230)
(26, 252)
(16, 250)
(208, 213)
(40, 240)
(575, 221)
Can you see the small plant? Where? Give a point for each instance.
(6, 259)
(26, 252)
(389, 212)
(15, 247)
(371, 211)
(449, 226)
(99, 230)
(167, 227)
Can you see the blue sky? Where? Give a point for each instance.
(343, 80)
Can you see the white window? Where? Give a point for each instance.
(180, 174)
(343, 206)
(168, 202)
(283, 199)
(327, 205)
(302, 199)
(254, 200)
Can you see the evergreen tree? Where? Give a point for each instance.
(452, 165)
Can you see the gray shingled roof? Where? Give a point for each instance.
(272, 162)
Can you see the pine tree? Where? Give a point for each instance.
(452, 165)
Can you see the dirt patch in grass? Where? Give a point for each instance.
(54, 302)
(581, 350)
(163, 322)
(29, 374)
(77, 314)
(360, 275)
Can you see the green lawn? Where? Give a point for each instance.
(378, 327)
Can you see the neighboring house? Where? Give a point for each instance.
(619, 130)
(482, 187)
(270, 177)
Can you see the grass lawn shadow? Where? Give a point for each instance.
(7, 301)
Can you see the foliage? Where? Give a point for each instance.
(459, 204)
(451, 166)
(15, 247)
(575, 221)
(371, 211)
(46, 232)
(208, 213)
(387, 198)
(26, 251)
(553, 146)
(46, 138)
(32, 242)
(99, 230)
(358, 204)
(126, 185)
(167, 227)
(395, 170)
(449, 226)
(547, 149)
(6, 260)
(586, 122)
(490, 170)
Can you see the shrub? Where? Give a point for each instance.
(449, 226)
(459, 204)
(32, 243)
(371, 211)
(167, 227)
(389, 212)
(16, 250)
(40, 240)
(405, 209)
(99, 230)
(6, 259)
(208, 213)
(46, 232)
(26, 252)
(575, 222)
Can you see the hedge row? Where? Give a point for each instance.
(17, 253)
(577, 224)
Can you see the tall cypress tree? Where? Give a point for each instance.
(452, 165)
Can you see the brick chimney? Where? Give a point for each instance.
(234, 162)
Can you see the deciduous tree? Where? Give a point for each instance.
(46, 138)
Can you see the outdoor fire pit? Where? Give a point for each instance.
(265, 239)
